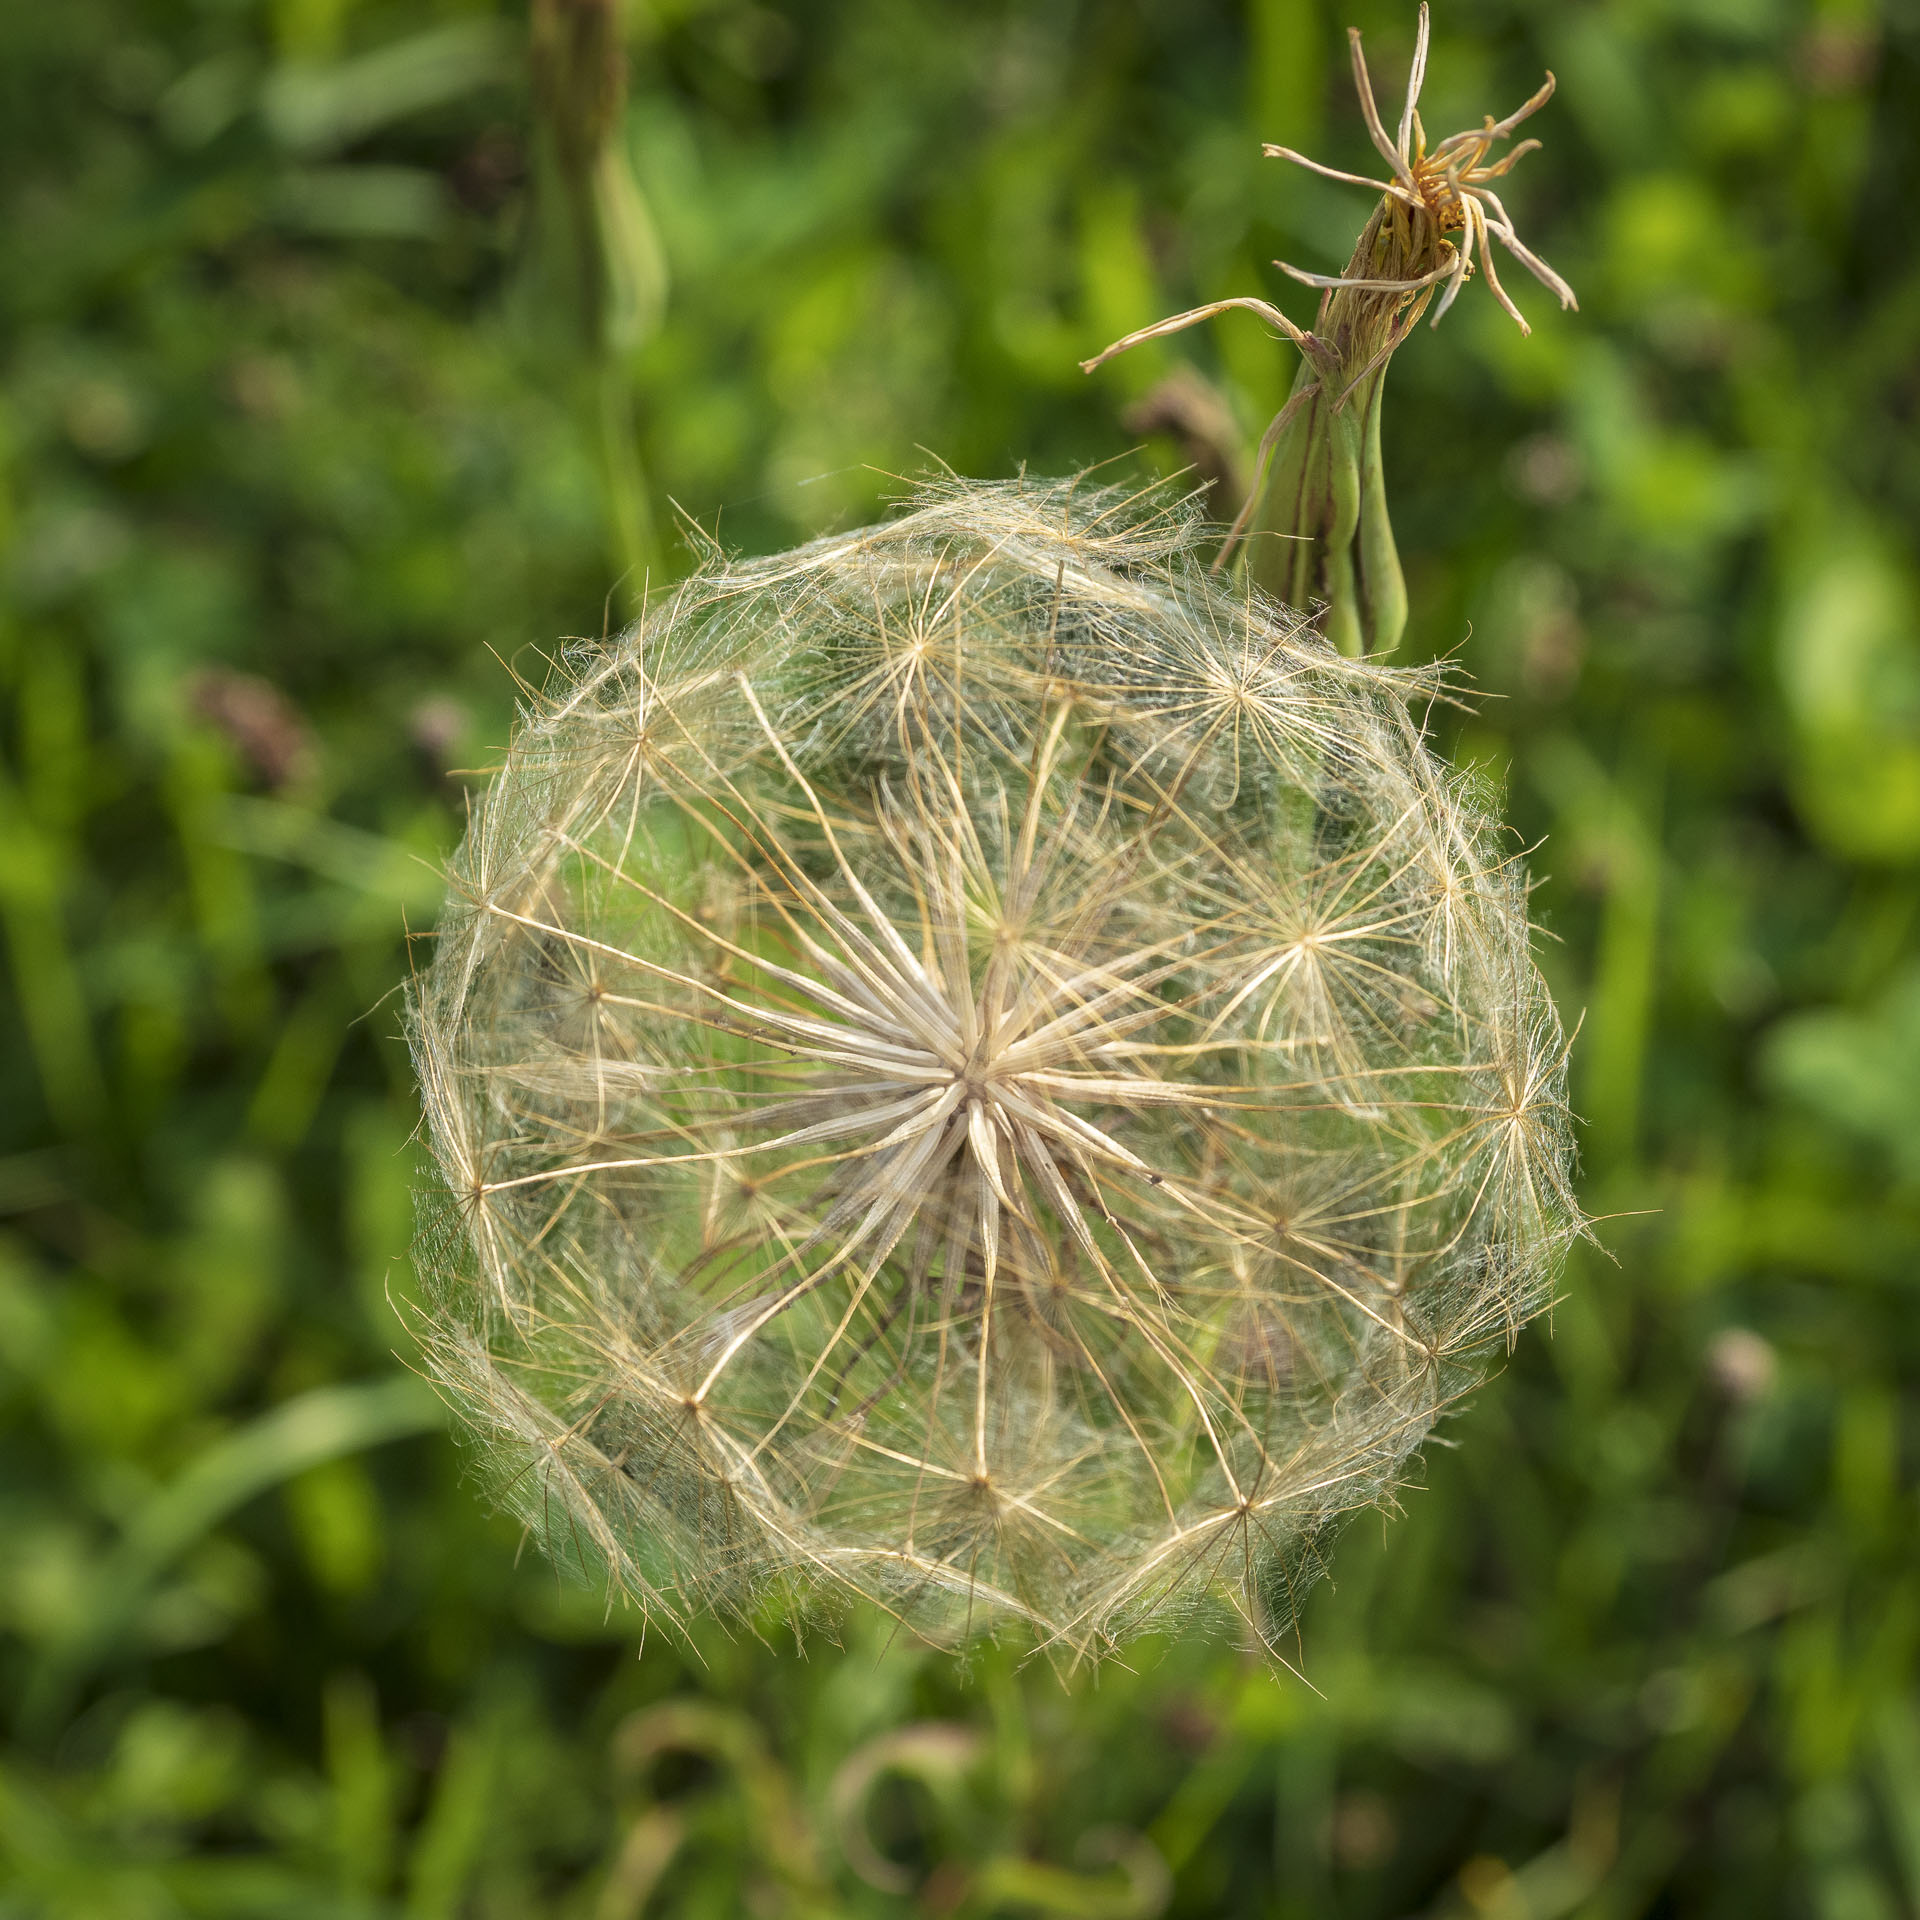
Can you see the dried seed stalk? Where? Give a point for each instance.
(1323, 505)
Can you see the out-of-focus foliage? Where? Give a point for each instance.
(303, 437)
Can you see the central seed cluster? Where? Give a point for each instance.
(973, 1068)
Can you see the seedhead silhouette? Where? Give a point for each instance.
(976, 1066)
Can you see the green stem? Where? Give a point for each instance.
(1280, 553)
(1383, 584)
(626, 485)
(1324, 518)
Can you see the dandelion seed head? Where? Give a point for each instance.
(975, 1067)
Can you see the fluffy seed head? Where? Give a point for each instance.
(972, 1065)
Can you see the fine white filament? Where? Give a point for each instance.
(976, 1066)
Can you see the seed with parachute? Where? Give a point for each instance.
(973, 1065)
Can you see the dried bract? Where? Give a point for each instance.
(973, 1067)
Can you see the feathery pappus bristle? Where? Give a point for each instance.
(975, 1065)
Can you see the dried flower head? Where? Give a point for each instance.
(973, 1067)
(1430, 197)
(1326, 495)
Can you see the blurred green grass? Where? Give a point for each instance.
(302, 449)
